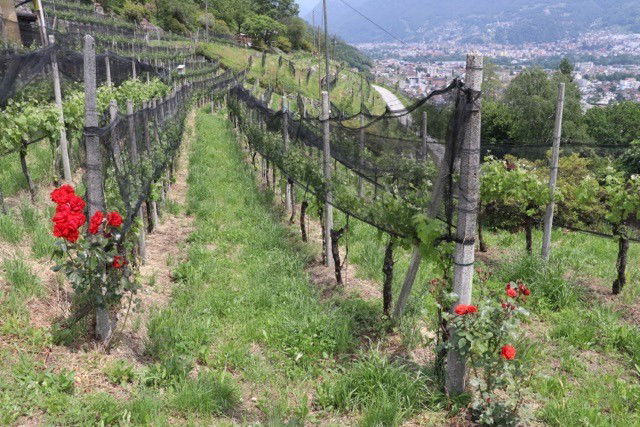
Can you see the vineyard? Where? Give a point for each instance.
(196, 232)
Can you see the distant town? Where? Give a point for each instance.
(606, 65)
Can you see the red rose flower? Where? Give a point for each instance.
(77, 204)
(462, 309)
(118, 262)
(62, 194)
(114, 219)
(472, 309)
(508, 352)
(95, 222)
(512, 293)
(524, 290)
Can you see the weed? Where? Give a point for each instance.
(120, 372)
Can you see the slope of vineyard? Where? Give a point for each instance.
(236, 320)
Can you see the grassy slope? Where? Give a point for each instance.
(260, 344)
(272, 75)
(245, 303)
(583, 355)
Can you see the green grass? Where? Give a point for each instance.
(11, 230)
(210, 394)
(386, 392)
(23, 284)
(39, 161)
(247, 338)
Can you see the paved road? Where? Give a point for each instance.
(395, 105)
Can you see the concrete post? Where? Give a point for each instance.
(464, 256)
(94, 181)
(326, 168)
(361, 156)
(10, 29)
(57, 92)
(557, 135)
(285, 137)
(424, 137)
(107, 65)
(135, 159)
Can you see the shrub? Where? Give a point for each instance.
(485, 335)
(135, 12)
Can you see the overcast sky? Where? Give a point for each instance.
(306, 6)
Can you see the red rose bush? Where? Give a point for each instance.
(485, 335)
(94, 259)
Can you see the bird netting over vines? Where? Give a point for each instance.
(384, 180)
(399, 167)
(140, 147)
(19, 69)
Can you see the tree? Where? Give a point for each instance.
(491, 84)
(531, 98)
(297, 33)
(497, 121)
(263, 28)
(277, 9)
(566, 67)
(616, 124)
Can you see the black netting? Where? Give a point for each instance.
(141, 147)
(398, 167)
(19, 69)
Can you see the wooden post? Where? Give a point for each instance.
(41, 23)
(557, 135)
(326, 168)
(285, 137)
(135, 159)
(464, 256)
(424, 136)
(94, 179)
(134, 74)
(10, 30)
(64, 145)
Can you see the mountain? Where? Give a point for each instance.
(507, 21)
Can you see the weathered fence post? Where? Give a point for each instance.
(94, 179)
(64, 145)
(464, 256)
(134, 73)
(135, 159)
(326, 168)
(557, 135)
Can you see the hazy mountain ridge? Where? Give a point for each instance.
(509, 21)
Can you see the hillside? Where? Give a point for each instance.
(191, 254)
(505, 21)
